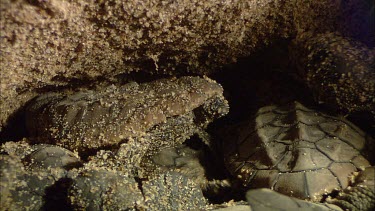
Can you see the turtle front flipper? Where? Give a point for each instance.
(360, 196)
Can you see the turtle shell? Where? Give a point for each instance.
(296, 151)
(339, 71)
(94, 119)
(47, 156)
(98, 189)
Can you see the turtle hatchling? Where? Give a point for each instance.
(93, 119)
(296, 151)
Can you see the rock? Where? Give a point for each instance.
(56, 44)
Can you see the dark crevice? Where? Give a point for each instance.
(85, 154)
(140, 184)
(16, 128)
(56, 196)
(215, 170)
(333, 195)
(208, 158)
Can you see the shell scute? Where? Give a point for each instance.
(313, 153)
(101, 118)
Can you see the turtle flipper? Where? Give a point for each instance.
(361, 196)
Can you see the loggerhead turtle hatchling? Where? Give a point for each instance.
(125, 125)
(296, 151)
(91, 120)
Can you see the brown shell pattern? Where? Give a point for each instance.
(296, 151)
(92, 119)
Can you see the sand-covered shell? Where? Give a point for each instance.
(47, 156)
(13, 187)
(29, 175)
(100, 118)
(339, 71)
(173, 191)
(196, 161)
(182, 159)
(21, 189)
(99, 189)
(296, 151)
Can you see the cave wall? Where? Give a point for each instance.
(57, 43)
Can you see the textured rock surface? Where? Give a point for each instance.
(49, 44)
(19, 149)
(97, 119)
(296, 151)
